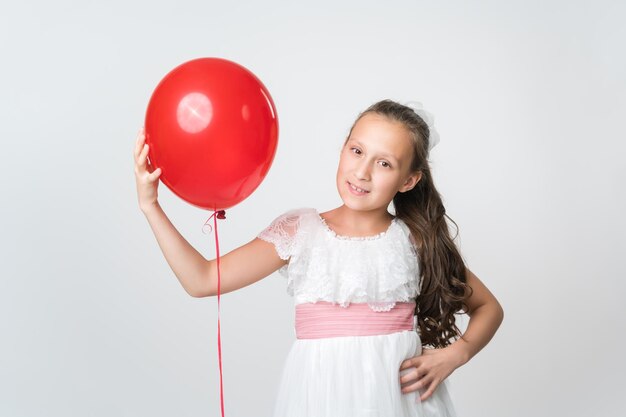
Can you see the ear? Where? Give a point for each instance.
(411, 181)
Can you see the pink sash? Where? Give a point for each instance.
(325, 319)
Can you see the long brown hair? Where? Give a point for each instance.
(443, 288)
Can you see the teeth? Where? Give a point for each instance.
(357, 188)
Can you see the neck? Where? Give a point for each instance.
(363, 219)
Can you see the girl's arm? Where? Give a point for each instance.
(186, 262)
(239, 268)
(486, 315)
(198, 276)
(434, 365)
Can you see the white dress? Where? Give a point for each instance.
(349, 376)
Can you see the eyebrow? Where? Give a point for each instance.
(388, 155)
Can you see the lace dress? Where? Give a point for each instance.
(349, 376)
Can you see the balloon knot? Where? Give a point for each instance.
(219, 214)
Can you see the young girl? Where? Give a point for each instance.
(372, 290)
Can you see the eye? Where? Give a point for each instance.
(359, 151)
(386, 166)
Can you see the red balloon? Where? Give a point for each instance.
(212, 128)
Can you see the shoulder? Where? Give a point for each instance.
(296, 214)
(292, 219)
(406, 231)
(285, 231)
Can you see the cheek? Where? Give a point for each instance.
(388, 181)
(341, 170)
(344, 164)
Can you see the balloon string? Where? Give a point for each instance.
(219, 214)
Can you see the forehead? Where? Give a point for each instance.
(382, 135)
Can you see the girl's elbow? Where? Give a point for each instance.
(200, 292)
(205, 285)
(499, 312)
(193, 293)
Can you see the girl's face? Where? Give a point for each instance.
(376, 158)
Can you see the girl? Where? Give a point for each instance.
(375, 293)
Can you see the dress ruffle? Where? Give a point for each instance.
(378, 270)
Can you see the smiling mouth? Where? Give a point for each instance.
(357, 189)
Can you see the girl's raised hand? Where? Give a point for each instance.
(146, 176)
(429, 369)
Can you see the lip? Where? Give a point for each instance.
(354, 191)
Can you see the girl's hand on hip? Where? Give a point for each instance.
(428, 370)
(146, 176)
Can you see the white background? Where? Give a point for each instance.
(529, 100)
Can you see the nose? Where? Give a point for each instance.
(362, 171)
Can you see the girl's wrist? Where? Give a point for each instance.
(461, 352)
(147, 208)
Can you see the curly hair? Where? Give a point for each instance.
(442, 273)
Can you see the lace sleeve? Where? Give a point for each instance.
(282, 233)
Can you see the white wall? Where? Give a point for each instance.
(529, 100)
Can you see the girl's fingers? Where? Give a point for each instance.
(410, 388)
(141, 161)
(429, 391)
(407, 376)
(417, 371)
(420, 385)
(141, 158)
(155, 175)
(411, 378)
(139, 142)
(414, 361)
